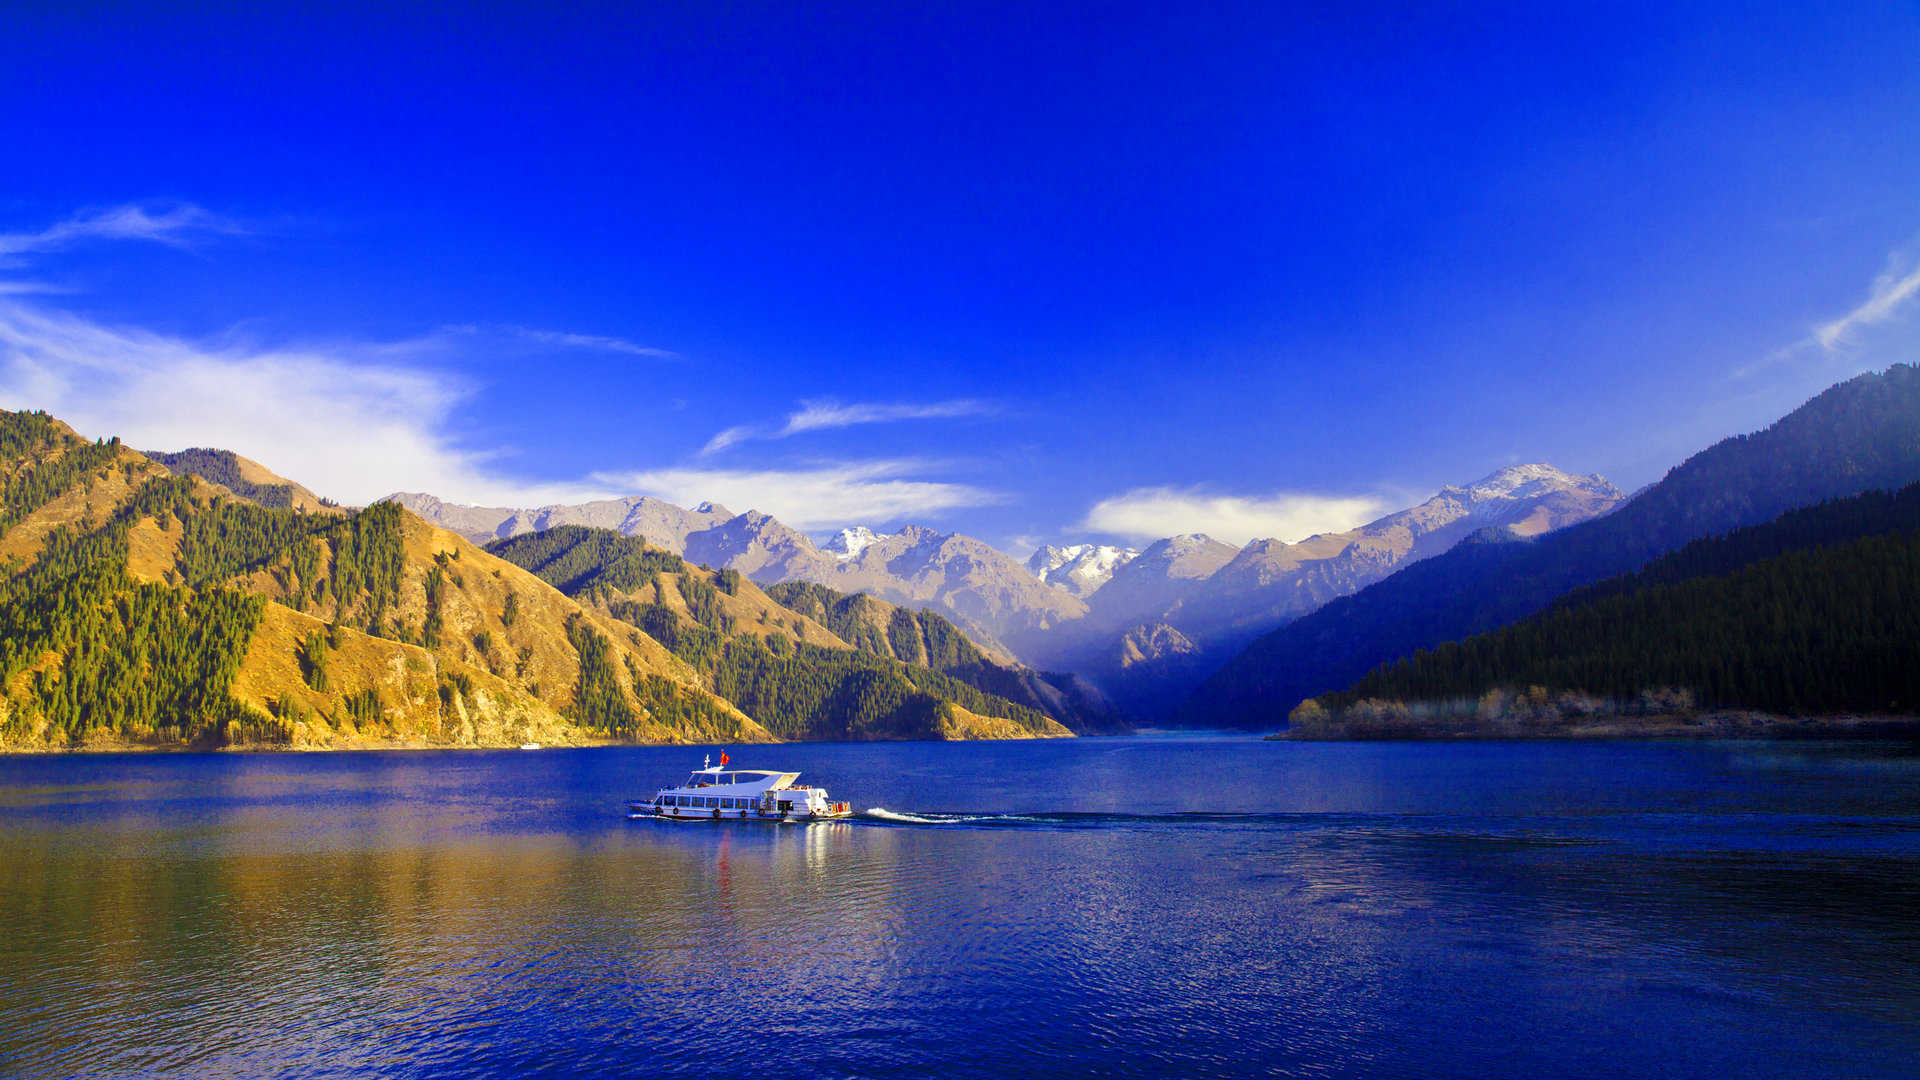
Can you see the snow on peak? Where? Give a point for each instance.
(1048, 558)
(1186, 544)
(1078, 568)
(849, 543)
(1530, 481)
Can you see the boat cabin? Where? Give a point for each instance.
(720, 792)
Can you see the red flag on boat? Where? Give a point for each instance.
(723, 757)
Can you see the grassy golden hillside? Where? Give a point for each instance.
(147, 609)
(780, 665)
(500, 649)
(144, 608)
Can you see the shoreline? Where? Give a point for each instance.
(1723, 724)
(129, 749)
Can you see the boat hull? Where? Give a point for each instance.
(638, 811)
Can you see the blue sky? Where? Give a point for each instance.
(1031, 272)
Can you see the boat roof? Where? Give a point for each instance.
(741, 772)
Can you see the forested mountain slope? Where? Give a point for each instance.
(783, 667)
(248, 479)
(145, 608)
(926, 638)
(1859, 435)
(1817, 612)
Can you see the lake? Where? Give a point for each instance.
(1144, 907)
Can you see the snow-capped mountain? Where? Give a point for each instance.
(1538, 498)
(1157, 579)
(849, 543)
(1079, 568)
(1144, 625)
(1270, 581)
(1209, 598)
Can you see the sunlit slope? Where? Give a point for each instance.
(779, 665)
(244, 478)
(147, 609)
(926, 638)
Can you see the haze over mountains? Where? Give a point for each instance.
(1145, 626)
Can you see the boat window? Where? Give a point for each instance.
(666, 800)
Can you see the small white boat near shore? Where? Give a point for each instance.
(720, 793)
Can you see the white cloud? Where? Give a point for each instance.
(1828, 342)
(567, 340)
(816, 497)
(727, 438)
(175, 225)
(1897, 284)
(825, 414)
(355, 421)
(351, 422)
(1154, 512)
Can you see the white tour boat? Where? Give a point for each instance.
(716, 792)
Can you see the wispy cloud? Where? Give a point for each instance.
(1153, 512)
(826, 413)
(356, 420)
(823, 414)
(813, 497)
(1891, 291)
(174, 225)
(1897, 284)
(566, 340)
(350, 421)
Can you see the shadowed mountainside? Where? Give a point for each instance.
(1859, 435)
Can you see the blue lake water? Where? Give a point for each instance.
(1102, 907)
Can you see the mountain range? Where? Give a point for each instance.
(195, 598)
(1144, 626)
(1808, 624)
(148, 606)
(1860, 435)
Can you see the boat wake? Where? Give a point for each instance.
(1058, 820)
(1468, 828)
(881, 813)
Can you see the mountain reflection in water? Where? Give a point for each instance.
(1117, 908)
